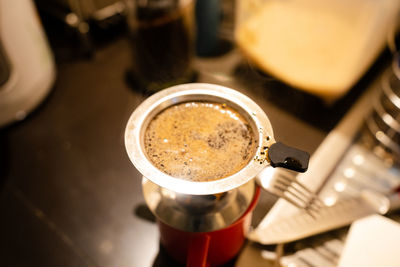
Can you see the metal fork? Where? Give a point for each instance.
(283, 183)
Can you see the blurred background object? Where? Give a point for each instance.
(162, 42)
(78, 24)
(322, 48)
(381, 132)
(214, 27)
(208, 19)
(27, 70)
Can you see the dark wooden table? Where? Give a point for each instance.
(69, 194)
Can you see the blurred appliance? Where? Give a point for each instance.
(321, 47)
(27, 68)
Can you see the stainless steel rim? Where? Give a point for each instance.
(197, 92)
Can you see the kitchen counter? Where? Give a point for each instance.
(69, 194)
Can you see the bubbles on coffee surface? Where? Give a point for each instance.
(199, 141)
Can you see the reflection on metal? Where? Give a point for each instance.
(330, 200)
(340, 186)
(349, 173)
(358, 159)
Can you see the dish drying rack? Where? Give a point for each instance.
(350, 159)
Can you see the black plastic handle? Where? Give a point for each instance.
(281, 155)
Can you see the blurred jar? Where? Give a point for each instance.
(162, 41)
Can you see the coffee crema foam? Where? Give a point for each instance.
(199, 141)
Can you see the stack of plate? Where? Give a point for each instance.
(382, 126)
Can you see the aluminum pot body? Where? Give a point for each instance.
(198, 213)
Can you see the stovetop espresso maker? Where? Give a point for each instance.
(204, 223)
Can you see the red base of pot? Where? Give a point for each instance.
(208, 248)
